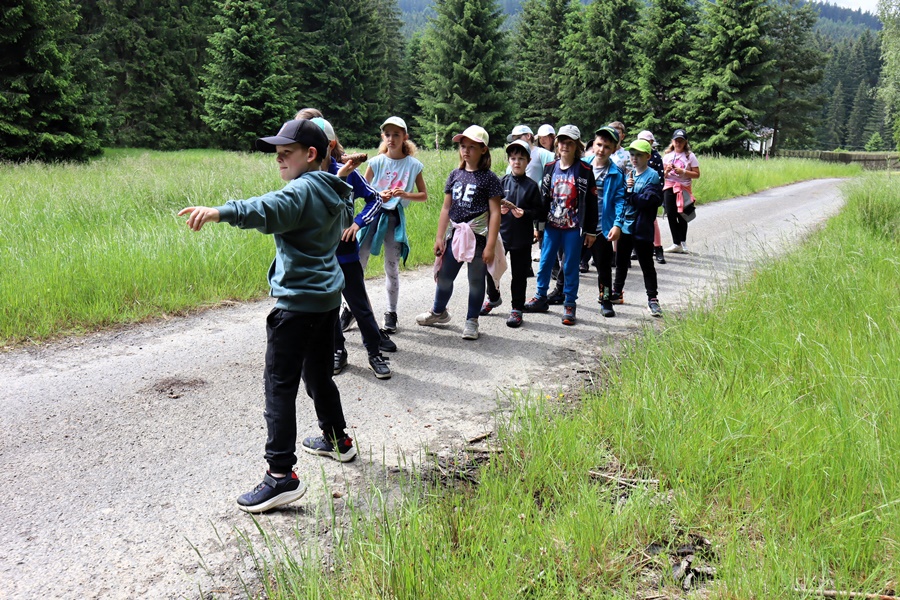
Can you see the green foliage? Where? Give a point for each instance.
(733, 66)
(539, 54)
(153, 54)
(875, 143)
(245, 94)
(663, 46)
(46, 112)
(837, 117)
(597, 78)
(466, 78)
(859, 116)
(405, 87)
(889, 87)
(793, 107)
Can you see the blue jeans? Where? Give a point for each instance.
(449, 270)
(570, 242)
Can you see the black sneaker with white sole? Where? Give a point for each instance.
(653, 307)
(380, 366)
(272, 492)
(389, 323)
(386, 344)
(340, 361)
(341, 450)
(347, 318)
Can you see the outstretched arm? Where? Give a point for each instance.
(198, 216)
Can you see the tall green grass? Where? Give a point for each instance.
(772, 423)
(87, 246)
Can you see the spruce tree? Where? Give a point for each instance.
(663, 45)
(465, 77)
(45, 112)
(538, 49)
(245, 96)
(889, 84)
(793, 108)
(597, 80)
(837, 118)
(733, 69)
(405, 85)
(153, 54)
(859, 115)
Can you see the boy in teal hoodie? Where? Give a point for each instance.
(306, 219)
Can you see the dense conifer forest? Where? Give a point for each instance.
(79, 75)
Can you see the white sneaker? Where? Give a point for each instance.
(684, 249)
(470, 329)
(674, 249)
(429, 318)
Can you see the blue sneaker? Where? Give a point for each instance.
(272, 492)
(342, 450)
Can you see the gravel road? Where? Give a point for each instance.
(123, 451)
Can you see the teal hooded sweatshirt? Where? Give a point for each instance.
(306, 218)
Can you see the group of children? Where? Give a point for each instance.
(603, 205)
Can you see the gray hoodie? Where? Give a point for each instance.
(306, 218)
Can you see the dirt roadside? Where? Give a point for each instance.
(123, 451)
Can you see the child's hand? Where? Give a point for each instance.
(614, 233)
(386, 195)
(199, 216)
(350, 233)
(348, 168)
(488, 255)
(397, 193)
(517, 212)
(504, 209)
(630, 182)
(589, 240)
(439, 246)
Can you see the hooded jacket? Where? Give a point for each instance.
(611, 201)
(306, 218)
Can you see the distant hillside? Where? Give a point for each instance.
(834, 21)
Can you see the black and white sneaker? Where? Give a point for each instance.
(380, 366)
(342, 450)
(653, 307)
(386, 344)
(272, 492)
(347, 318)
(390, 322)
(340, 361)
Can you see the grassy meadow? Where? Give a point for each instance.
(98, 244)
(769, 425)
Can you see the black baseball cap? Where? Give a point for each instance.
(296, 131)
(679, 133)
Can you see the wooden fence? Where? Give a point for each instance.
(868, 160)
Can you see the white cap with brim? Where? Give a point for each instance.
(396, 121)
(474, 133)
(519, 144)
(546, 130)
(646, 136)
(517, 131)
(569, 131)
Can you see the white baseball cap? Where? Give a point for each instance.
(474, 133)
(569, 131)
(519, 130)
(546, 130)
(647, 136)
(396, 121)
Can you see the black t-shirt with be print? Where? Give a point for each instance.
(470, 192)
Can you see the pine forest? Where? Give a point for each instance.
(81, 75)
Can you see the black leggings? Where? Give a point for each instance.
(677, 225)
(645, 259)
(519, 263)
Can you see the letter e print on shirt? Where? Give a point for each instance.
(463, 193)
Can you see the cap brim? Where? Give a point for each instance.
(510, 138)
(267, 144)
(460, 136)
